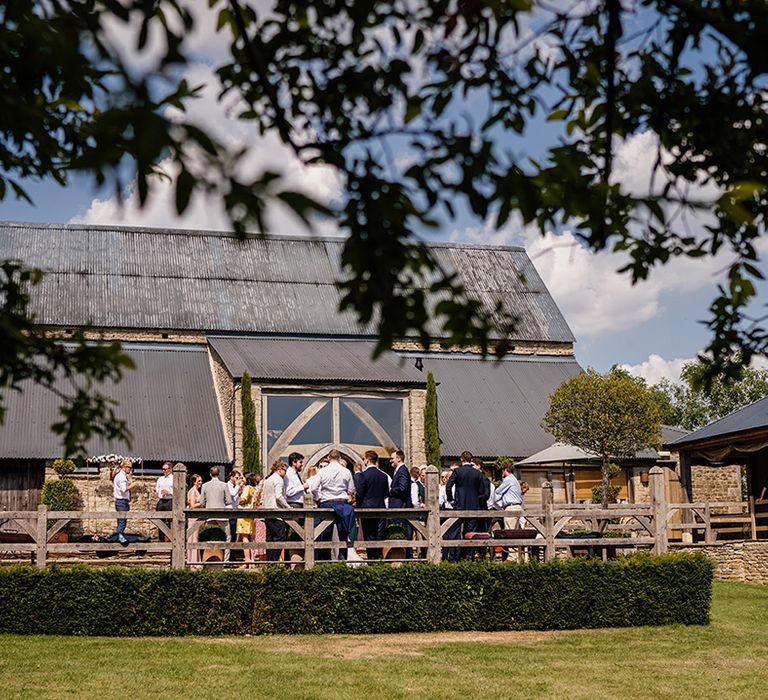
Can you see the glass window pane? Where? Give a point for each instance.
(318, 431)
(387, 413)
(353, 430)
(281, 412)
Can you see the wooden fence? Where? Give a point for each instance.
(551, 529)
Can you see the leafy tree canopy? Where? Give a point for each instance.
(610, 415)
(691, 406)
(424, 110)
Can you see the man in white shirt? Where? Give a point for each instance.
(164, 492)
(333, 487)
(293, 483)
(121, 488)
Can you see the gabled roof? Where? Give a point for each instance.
(168, 401)
(751, 417)
(491, 407)
(560, 452)
(311, 360)
(115, 277)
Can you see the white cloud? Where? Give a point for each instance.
(594, 298)
(656, 368)
(265, 153)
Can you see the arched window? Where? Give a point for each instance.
(308, 422)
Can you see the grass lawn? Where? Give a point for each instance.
(728, 659)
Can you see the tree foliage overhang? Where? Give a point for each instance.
(353, 85)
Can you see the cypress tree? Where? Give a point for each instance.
(431, 437)
(251, 448)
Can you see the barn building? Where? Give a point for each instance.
(197, 309)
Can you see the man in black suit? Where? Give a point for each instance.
(400, 493)
(372, 492)
(469, 485)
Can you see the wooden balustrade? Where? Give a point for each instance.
(555, 525)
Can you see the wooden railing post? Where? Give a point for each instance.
(659, 508)
(432, 503)
(309, 534)
(41, 540)
(708, 537)
(179, 519)
(548, 501)
(752, 518)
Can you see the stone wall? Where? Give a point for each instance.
(641, 493)
(716, 483)
(94, 492)
(736, 561)
(130, 335)
(520, 348)
(417, 399)
(224, 388)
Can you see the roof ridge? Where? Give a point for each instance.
(250, 235)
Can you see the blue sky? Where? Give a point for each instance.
(652, 327)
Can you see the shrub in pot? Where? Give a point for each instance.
(59, 494)
(394, 531)
(212, 533)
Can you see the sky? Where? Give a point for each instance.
(651, 328)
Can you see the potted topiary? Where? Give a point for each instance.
(212, 533)
(394, 531)
(58, 494)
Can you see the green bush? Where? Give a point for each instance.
(211, 533)
(63, 466)
(58, 494)
(613, 493)
(568, 594)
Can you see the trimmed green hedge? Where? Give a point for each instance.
(568, 594)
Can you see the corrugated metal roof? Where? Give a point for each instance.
(168, 402)
(302, 359)
(751, 417)
(199, 280)
(672, 432)
(494, 408)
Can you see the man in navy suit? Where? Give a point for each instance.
(468, 484)
(372, 492)
(400, 493)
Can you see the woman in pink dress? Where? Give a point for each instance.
(193, 501)
(259, 528)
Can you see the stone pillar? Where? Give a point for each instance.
(417, 402)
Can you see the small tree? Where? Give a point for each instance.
(431, 436)
(251, 447)
(609, 415)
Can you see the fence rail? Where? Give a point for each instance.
(551, 529)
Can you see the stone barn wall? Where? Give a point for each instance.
(716, 483)
(736, 561)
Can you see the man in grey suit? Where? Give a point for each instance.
(215, 494)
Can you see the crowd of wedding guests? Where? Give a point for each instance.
(343, 488)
